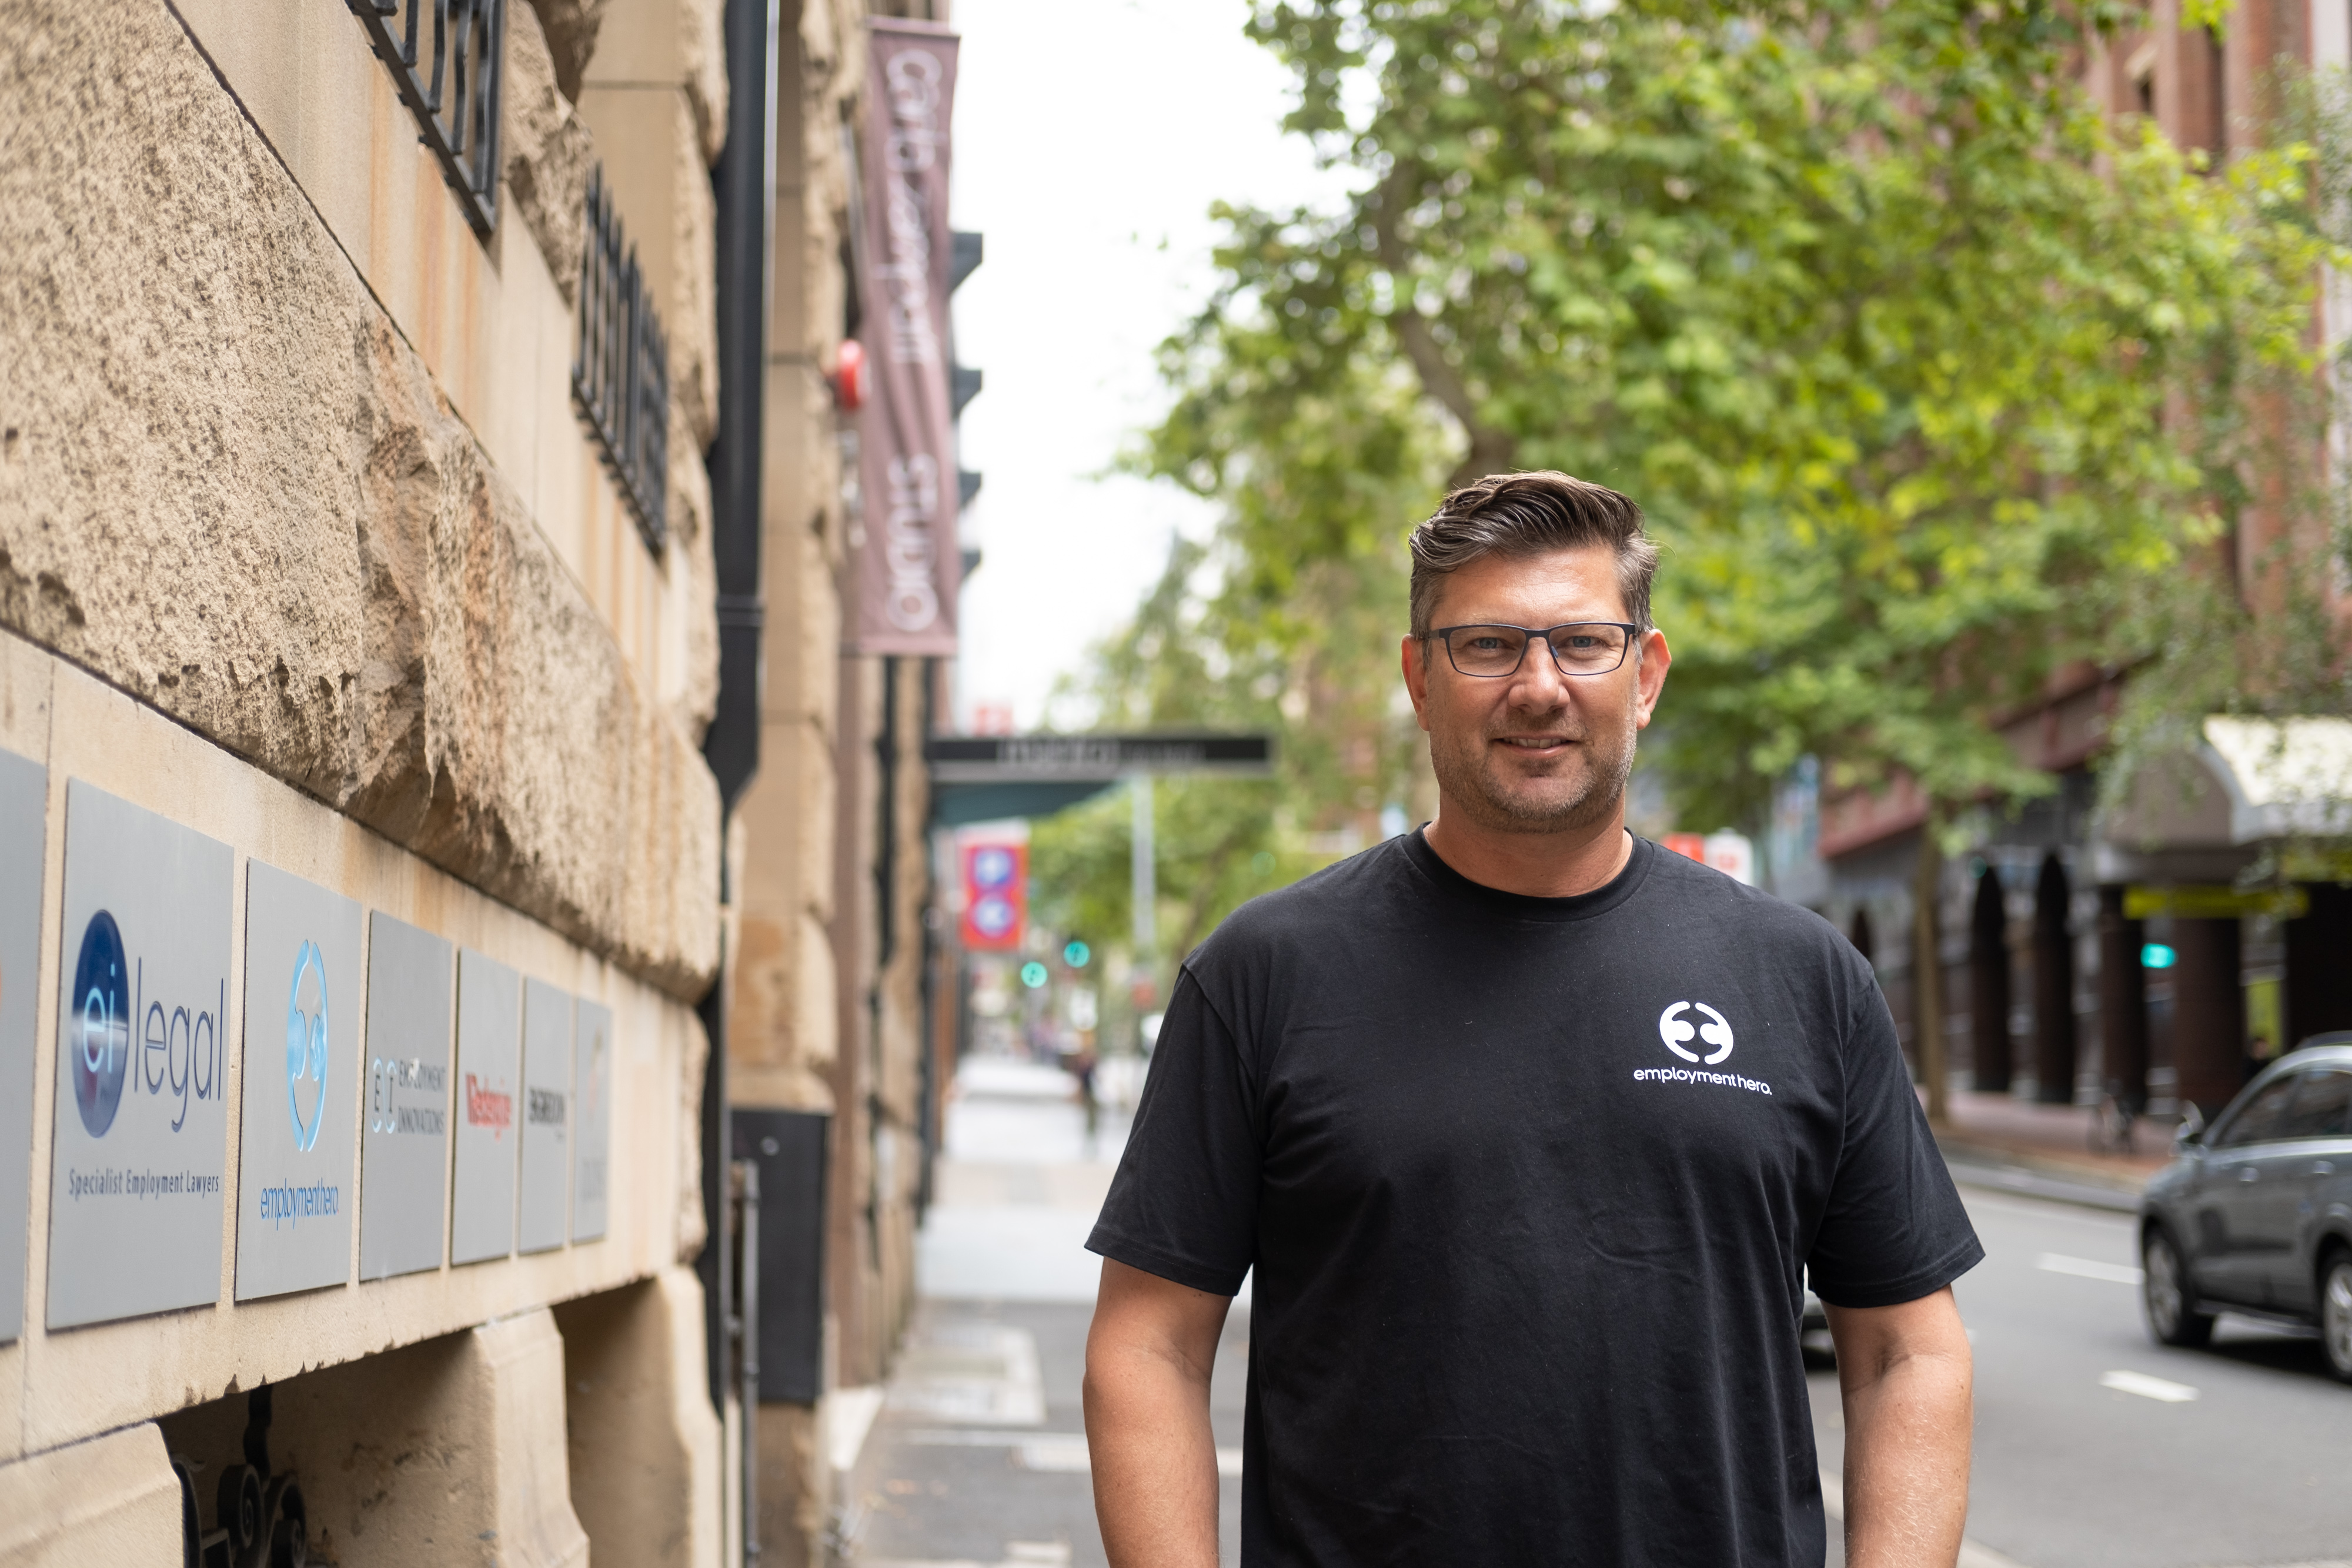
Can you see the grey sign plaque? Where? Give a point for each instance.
(489, 1039)
(546, 1115)
(24, 802)
(592, 1117)
(142, 1123)
(405, 1148)
(300, 1131)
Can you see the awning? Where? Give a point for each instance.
(2198, 815)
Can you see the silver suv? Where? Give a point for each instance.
(2255, 1213)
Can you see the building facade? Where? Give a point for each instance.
(361, 866)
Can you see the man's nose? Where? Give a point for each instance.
(1539, 682)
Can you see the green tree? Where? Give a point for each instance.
(1879, 319)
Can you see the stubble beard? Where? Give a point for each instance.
(1468, 777)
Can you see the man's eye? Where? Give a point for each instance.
(1487, 644)
(1583, 644)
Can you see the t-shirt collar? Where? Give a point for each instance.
(1452, 883)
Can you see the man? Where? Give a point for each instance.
(1529, 1131)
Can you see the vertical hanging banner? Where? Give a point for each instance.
(910, 564)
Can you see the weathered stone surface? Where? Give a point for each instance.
(548, 152)
(703, 43)
(230, 488)
(571, 26)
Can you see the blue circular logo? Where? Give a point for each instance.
(992, 867)
(97, 1031)
(305, 1046)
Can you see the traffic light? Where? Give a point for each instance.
(1076, 953)
(1033, 974)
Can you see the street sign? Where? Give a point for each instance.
(1018, 758)
(24, 805)
(140, 1144)
(404, 1144)
(995, 897)
(592, 1118)
(300, 1131)
(489, 1041)
(547, 1051)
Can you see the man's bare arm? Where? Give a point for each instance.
(1147, 1398)
(1905, 1373)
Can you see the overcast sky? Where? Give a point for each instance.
(1090, 138)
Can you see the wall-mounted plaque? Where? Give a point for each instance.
(489, 1040)
(546, 1115)
(296, 1194)
(140, 1144)
(592, 1117)
(24, 802)
(404, 1147)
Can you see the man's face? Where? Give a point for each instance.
(1534, 751)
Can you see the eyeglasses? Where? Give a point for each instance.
(1577, 647)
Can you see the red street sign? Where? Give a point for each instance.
(995, 897)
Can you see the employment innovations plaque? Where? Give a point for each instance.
(299, 1133)
(404, 1149)
(142, 1123)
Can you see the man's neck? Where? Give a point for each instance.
(1540, 865)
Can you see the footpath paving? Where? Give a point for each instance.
(2048, 1151)
(978, 1458)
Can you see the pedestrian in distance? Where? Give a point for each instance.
(1527, 1132)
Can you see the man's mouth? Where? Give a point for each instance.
(1537, 743)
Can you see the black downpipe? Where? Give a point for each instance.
(744, 185)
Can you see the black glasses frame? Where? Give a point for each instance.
(1534, 635)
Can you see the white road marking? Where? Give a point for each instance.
(1971, 1555)
(2146, 1387)
(2089, 1268)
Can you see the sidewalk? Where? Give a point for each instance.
(979, 1457)
(1996, 1140)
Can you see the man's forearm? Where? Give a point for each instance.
(1907, 1466)
(1154, 1458)
(1906, 1379)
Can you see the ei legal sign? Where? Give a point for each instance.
(141, 1142)
(909, 562)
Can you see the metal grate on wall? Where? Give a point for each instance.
(446, 57)
(620, 376)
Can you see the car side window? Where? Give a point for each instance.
(2258, 1121)
(2322, 1108)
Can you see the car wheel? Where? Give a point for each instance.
(2335, 1313)
(2172, 1314)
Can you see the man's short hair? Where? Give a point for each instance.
(1525, 515)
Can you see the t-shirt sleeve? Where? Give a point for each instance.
(1893, 1229)
(1183, 1204)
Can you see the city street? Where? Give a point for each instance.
(2095, 1448)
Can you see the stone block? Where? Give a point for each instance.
(112, 1500)
(231, 490)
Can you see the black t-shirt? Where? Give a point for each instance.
(1530, 1186)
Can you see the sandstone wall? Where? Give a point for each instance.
(230, 487)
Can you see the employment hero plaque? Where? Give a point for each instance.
(489, 1040)
(592, 1117)
(24, 802)
(405, 1150)
(295, 1179)
(141, 1121)
(546, 1117)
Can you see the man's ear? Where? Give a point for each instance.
(1652, 658)
(1416, 676)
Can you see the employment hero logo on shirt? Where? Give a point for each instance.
(1678, 1030)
